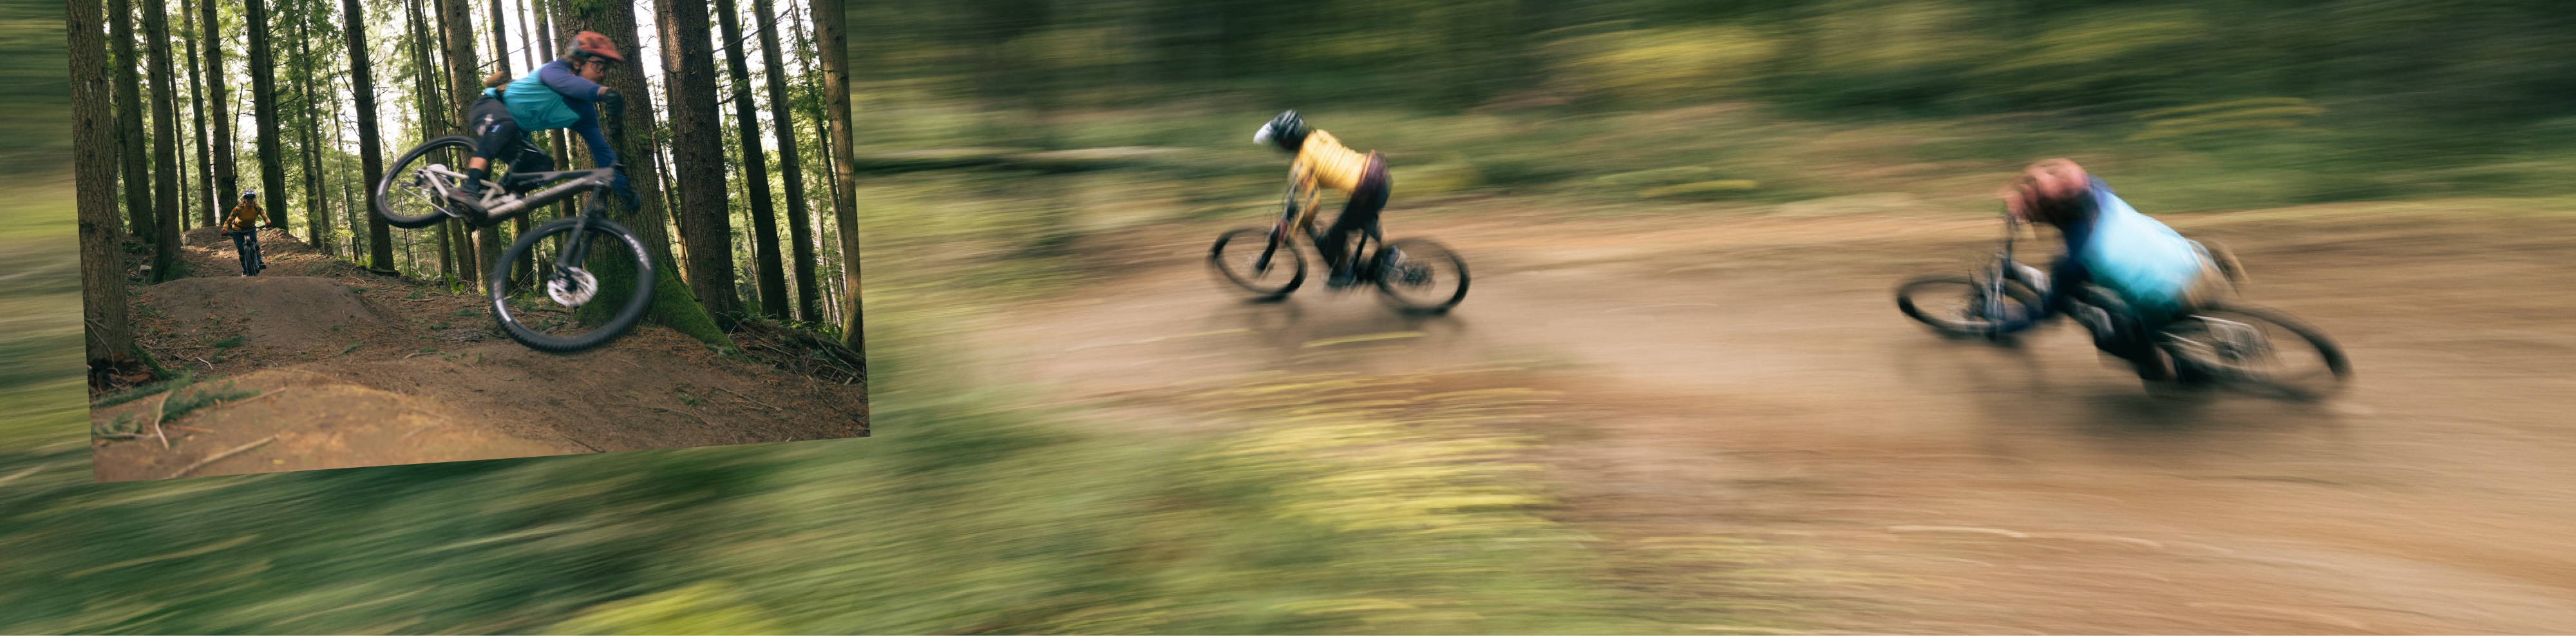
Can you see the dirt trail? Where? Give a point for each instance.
(1749, 376)
(364, 370)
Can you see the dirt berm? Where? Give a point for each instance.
(357, 369)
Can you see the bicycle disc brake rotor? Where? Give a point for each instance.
(1405, 272)
(572, 287)
(2236, 341)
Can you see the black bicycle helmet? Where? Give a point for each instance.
(1286, 131)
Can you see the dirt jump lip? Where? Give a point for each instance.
(352, 368)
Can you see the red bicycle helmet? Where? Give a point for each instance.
(593, 44)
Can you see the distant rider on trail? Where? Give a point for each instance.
(243, 225)
(1322, 162)
(557, 95)
(2159, 275)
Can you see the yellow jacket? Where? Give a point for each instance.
(243, 217)
(1323, 162)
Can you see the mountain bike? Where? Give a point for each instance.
(413, 194)
(1416, 275)
(2221, 342)
(248, 252)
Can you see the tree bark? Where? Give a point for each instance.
(165, 145)
(109, 341)
(426, 105)
(536, 39)
(828, 29)
(227, 188)
(380, 253)
(129, 121)
(697, 149)
(465, 82)
(317, 215)
(206, 201)
(560, 145)
(809, 70)
(673, 303)
(766, 270)
(263, 95)
(499, 24)
(500, 38)
(800, 230)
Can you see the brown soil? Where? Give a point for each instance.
(359, 369)
(1749, 377)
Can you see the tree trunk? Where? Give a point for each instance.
(501, 59)
(809, 70)
(561, 146)
(697, 149)
(800, 231)
(673, 303)
(263, 95)
(129, 121)
(764, 213)
(227, 188)
(500, 38)
(836, 89)
(465, 83)
(446, 257)
(165, 145)
(427, 106)
(370, 151)
(317, 216)
(207, 203)
(109, 341)
(536, 39)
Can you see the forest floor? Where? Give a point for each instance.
(1746, 380)
(317, 363)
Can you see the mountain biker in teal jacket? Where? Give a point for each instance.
(559, 94)
(2156, 273)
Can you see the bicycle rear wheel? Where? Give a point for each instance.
(1246, 258)
(1420, 276)
(1955, 305)
(546, 316)
(2259, 348)
(409, 194)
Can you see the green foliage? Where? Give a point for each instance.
(181, 403)
(185, 377)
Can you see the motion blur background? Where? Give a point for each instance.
(1078, 432)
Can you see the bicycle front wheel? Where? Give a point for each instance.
(1955, 305)
(2259, 348)
(547, 316)
(1246, 258)
(1421, 276)
(409, 194)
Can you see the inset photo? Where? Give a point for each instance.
(343, 233)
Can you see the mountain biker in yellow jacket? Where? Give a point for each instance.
(239, 224)
(1323, 162)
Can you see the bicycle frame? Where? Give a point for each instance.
(576, 247)
(1280, 235)
(2003, 267)
(594, 178)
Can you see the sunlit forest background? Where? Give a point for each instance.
(984, 507)
(2218, 104)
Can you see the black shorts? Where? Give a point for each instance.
(500, 140)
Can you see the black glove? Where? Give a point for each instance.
(612, 106)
